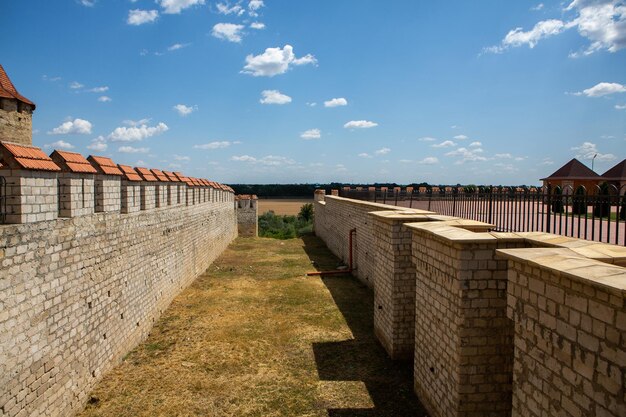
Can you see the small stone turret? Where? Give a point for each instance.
(16, 113)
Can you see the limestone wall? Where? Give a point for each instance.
(15, 126)
(335, 217)
(570, 334)
(557, 349)
(247, 217)
(77, 294)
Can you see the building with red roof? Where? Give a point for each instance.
(16, 113)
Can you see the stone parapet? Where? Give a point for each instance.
(570, 333)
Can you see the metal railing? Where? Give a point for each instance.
(597, 214)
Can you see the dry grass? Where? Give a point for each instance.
(282, 206)
(254, 337)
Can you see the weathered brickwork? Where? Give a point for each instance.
(335, 217)
(77, 294)
(148, 196)
(570, 334)
(76, 194)
(131, 196)
(463, 339)
(394, 283)
(107, 189)
(31, 196)
(247, 217)
(15, 126)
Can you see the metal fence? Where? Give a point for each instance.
(597, 214)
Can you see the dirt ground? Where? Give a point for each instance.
(283, 206)
(254, 336)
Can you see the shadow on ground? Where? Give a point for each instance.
(389, 383)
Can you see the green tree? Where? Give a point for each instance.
(306, 212)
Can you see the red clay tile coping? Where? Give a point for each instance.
(160, 175)
(104, 165)
(72, 162)
(171, 176)
(180, 176)
(129, 173)
(30, 157)
(246, 197)
(145, 173)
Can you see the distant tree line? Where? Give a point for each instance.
(306, 190)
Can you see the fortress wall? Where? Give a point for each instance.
(558, 348)
(77, 294)
(335, 217)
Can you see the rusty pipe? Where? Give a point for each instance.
(339, 271)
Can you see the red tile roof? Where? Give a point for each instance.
(160, 175)
(171, 176)
(180, 176)
(104, 165)
(146, 174)
(72, 162)
(7, 89)
(129, 173)
(29, 157)
(574, 169)
(618, 172)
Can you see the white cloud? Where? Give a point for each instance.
(475, 144)
(602, 89)
(104, 99)
(177, 46)
(213, 145)
(98, 144)
(427, 139)
(243, 158)
(467, 155)
(137, 133)
(503, 155)
(130, 149)
(255, 4)
(87, 3)
(75, 85)
(461, 137)
(336, 102)
(138, 17)
(224, 8)
(588, 150)
(444, 144)
(181, 158)
(98, 89)
(382, 151)
(257, 25)
(311, 134)
(620, 106)
(547, 162)
(228, 31)
(341, 168)
(313, 104)
(360, 124)
(537, 7)
(184, 110)
(365, 155)
(75, 127)
(274, 61)
(405, 161)
(274, 97)
(137, 122)
(176, 6)
(269, 160)
(60, 144)
(602, 22)
(431, 160)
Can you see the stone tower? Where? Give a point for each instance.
(16, 113)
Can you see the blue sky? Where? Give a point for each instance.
(489, 92)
